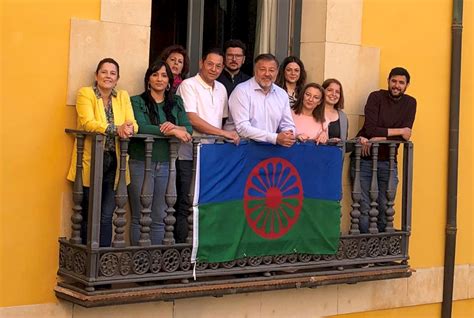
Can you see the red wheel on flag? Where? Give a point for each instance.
(273, 198)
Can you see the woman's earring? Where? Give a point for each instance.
(149, 86)
(168, 87)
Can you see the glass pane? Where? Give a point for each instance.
(230, 19)
(169, 22)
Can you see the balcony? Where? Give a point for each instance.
(90, 275)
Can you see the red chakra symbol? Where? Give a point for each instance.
(273, 198)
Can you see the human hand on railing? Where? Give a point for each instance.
(231, 135)
(125, 130)
(286, 138)
(367, 143)
(302, 137)
(167, 127)
(365, 146)
(406, 133)
(322, 137)
(130, 128)
(182, 135)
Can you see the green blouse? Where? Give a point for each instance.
(160, 146)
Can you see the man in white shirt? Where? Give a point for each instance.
(260, 109)
(205, 102)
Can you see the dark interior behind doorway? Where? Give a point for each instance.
(230, 19)
(169, 23)
(223, 20)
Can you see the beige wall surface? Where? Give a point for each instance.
(331, 48)
(424, 287)
(92, 41)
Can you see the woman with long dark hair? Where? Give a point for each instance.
(291, 77)
(159, 112)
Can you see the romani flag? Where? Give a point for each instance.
(259, 199)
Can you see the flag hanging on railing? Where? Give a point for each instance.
(260, 199)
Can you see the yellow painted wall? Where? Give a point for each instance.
(416, 34)
(410, 35)
(35, 151)
(35, 157)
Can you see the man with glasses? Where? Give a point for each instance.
(234, 59)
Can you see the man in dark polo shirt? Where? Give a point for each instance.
(231, 76)
(389, 115)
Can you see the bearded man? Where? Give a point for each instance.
(389, 115)
(234, 58)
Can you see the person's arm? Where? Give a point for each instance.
(239, 106)
(188, 95)
(85, 111)
(129, 115)
(409, 119)
(372, 113)
(203, 126)
(182, 117)
(140, 111)
(287, 123)
(398, 133)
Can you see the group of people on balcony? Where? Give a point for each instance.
(276, 105)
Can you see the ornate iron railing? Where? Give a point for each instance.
(88, 270)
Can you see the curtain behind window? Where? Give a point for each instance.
(265, 33)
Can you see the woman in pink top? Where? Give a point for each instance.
(308, 114)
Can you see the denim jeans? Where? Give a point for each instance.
(365, 181)
(107, 204)
(158, 183)
(184, 174)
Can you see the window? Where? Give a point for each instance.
(264, 25)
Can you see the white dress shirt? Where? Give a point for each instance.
(260, 116)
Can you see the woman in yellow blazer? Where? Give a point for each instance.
(103, 109)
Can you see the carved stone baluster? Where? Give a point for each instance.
(391, 190)
(95, 192)
(170, 196)
(77, 194)
(374, 191)
(146, 197)
(189, 239)
(356, 192)
(121, 197)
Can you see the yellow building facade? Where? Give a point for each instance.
(35, 152)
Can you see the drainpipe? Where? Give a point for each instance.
(450, 243)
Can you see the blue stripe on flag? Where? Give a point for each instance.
(227, 168)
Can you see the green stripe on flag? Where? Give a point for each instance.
(225, 235)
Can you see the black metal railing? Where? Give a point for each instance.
(89, 269)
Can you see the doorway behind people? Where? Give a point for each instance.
(223, 20)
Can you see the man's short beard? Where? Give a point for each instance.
(232, 69)
(395, 96)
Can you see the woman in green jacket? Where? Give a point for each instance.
(158, 112)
